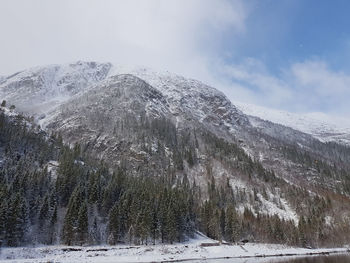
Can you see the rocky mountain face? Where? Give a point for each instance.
(160, 123)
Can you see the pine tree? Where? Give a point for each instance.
(114, 224)
(70, 219)
(16, 220)
(171, 225)
(43, 221)
(232, 226)
(93, 188)
(154, 224)
(222, 222)
(229, 224)
(83, 224)
(52, 226)
(302, 232)
(146, 220)
(163, 215)
(3, 220)
(205, 218)
(278, 230)
(68, 229)
(214, 225)
(44, 210)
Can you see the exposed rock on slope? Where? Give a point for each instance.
(156, 122)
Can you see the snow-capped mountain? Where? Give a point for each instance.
(322, 126)
(82, 94)
(156, 122)
(39, 91)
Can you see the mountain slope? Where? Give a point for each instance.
(101, 104)
(164, 125)
(321, 126)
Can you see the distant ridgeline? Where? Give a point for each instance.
(51, 193)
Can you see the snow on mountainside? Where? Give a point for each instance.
(40, 89)
(190, 96)
(323, 127)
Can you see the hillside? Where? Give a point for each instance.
(113, 136)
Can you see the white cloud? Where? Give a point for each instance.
(316, 75)
(253, 75)
(307, 86)
(177, 35)
(321, 87)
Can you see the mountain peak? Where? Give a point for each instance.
(41, 90)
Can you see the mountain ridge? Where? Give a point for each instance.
(165, 125)
(324, 127)
(92, 73)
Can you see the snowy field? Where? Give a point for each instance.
(191, 250)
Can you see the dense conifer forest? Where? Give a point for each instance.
(52, 193)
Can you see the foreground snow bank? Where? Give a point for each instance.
(192, 250)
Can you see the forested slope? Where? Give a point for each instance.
(55, 194)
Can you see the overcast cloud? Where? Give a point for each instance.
(179, 35)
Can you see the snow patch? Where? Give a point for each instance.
(282, 210)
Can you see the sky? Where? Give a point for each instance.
(291, 55)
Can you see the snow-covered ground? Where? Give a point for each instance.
(191, 250)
